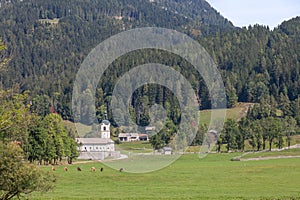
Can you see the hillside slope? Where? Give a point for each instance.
(48, 40)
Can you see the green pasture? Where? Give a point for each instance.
(237, 112)
(213, 177)
(287, 152)
(135, 147)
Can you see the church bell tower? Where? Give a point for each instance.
(105, 127)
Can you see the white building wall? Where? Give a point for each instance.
(97, 147)
(105, 130)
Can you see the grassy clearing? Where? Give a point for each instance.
(135, 147)
(49, 21)
(233, 113)
(214, 177)
(80, 129)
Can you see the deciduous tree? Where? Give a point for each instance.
(19, 178)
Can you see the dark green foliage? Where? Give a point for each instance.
(258, 132)
(19, 178)
(41, 138)
(46, 41)
(47, 54)
(164, 136)
(230, 134)
(257, 61)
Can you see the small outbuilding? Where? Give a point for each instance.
(167, 151)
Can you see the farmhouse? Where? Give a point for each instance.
(150, 129)
(167, 151)
(130, 137)
(98, 148)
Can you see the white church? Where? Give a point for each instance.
(98, 148)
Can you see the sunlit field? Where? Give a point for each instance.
(214, 177)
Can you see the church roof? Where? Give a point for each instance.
(105, 121)
(94, 140)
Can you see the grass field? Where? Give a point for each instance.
(236, 112)
(288, 152)
(135, 147)
(213, 177)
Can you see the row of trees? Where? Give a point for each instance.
(260, 134)
(26, 138)
(41, 138)
(50, 141)
(18, 178)
(262, 128)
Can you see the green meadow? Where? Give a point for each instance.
(213, 177)
(283, 153)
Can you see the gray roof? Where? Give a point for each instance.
(105, 121)
(213, 131)
(150, 128)
(94, 140)
(167, 149)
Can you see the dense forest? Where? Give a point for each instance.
(46, 42)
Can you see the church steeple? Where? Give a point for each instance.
(105, 127)
(105, 115)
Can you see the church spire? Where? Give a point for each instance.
(105, 127)
(105, 115)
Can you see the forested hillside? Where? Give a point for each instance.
(48, 40)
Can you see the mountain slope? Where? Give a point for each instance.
(48, 40)
(198, 10)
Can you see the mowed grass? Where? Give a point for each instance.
(135, 147)
(288, 152)
(213, 177)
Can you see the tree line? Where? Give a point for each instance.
(45, 140)
(257, 133)
(46, 56)
(258, 65)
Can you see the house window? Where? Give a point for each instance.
(96, 147)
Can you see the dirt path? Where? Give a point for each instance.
(240, 158)
(245, 110)
(268, 158)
